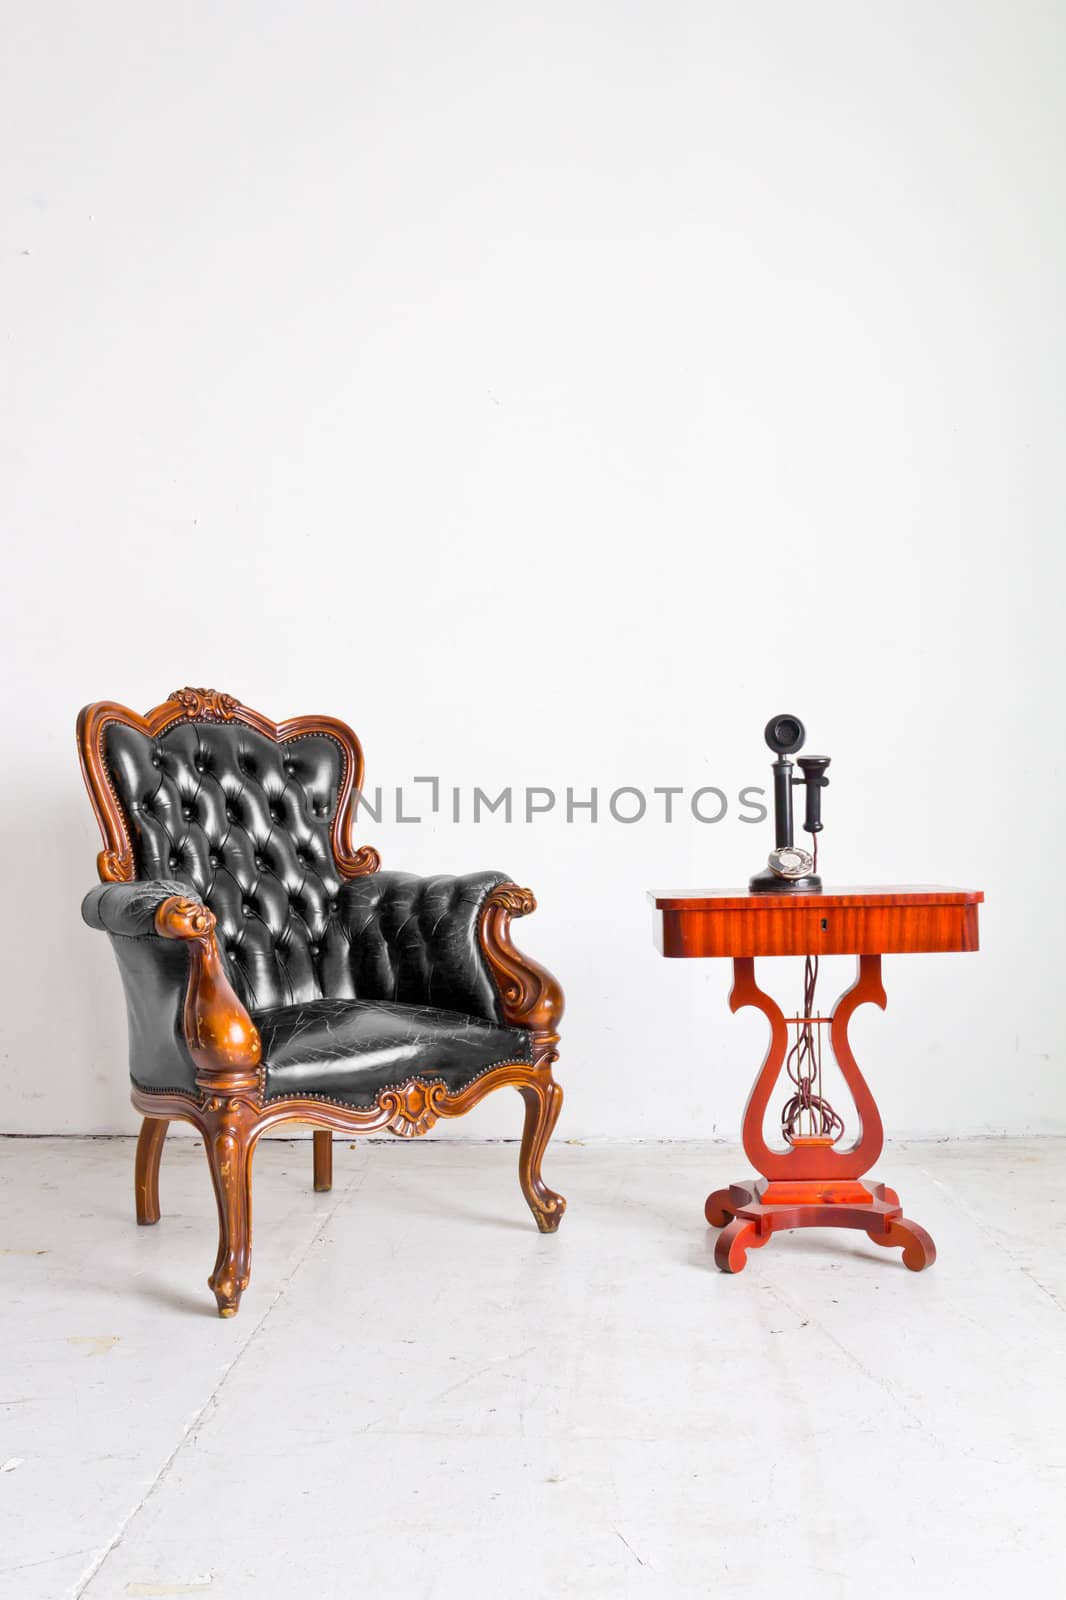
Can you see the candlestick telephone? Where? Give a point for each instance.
(791, 869)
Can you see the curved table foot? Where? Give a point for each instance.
(734, 1242)
(919, 1251)
(718, 1211)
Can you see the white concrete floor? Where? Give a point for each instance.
(422, 1397)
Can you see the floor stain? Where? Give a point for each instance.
(99, 1343)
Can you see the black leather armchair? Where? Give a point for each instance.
(273, 973)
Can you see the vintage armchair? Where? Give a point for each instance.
(273, 974)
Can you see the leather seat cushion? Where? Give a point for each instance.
(349, 1050)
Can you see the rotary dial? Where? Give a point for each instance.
(791, 862)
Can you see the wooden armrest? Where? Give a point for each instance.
(222, 1038)
(530, 997)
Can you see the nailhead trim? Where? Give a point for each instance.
(120, 808)
(331, 1100)
(298, 739)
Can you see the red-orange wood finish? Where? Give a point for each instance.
(725, 922)
(809, 1183)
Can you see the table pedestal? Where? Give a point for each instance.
(811, 1184)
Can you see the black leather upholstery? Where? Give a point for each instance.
(354, 984)
(349, 1050)
(244, 823)
(415, 940)
(128, 909)
(155, 976)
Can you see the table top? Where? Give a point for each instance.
(862, 921)
(908, 894)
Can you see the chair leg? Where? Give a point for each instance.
(544, 1101)
(146, 1168)
(229, 1140)
(323, 1143)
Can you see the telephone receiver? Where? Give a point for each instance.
(790, 868)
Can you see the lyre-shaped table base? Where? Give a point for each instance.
(811, 1184)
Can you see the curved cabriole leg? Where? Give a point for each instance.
(529, 998)
(323, 1160)
(146, 1169)
(229, 1140)
(544, 1100)
(919, 1251)
(718, 1210)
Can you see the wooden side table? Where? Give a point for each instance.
(810, 1183)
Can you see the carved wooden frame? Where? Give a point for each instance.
(115, 862)
(231, 1111)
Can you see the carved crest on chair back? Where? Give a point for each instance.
(208, 705)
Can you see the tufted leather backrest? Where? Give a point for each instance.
(245, 822)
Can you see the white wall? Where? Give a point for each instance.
(555, 391)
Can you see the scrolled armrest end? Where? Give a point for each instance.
(179, 918)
